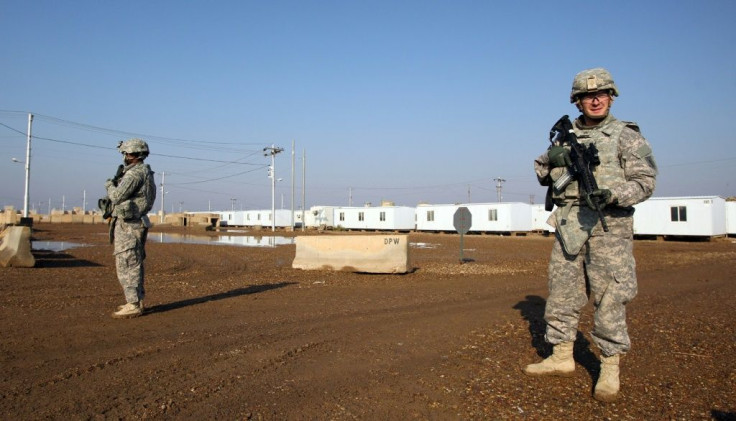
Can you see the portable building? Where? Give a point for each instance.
(539, 218)
(262, 218)
(500, 217)
(235, 218)
(681, 216)
(485, 217)
(436, 217)
(257, 218)
(320, 216)
(731, 218)
(383, 218)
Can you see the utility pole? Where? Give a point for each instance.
(28, 167)
(163, 195)
(499, 181)
(293, 158)
(304, 186)
(273, 150)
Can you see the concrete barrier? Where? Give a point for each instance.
(353, 253)
(15, 248)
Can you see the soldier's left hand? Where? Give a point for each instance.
(600, 197)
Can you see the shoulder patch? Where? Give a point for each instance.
(633, 126)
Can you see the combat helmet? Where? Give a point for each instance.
(592, 80)
(134, 146)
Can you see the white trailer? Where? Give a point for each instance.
(436, 217)
(681, 216)
(486, 217)
(320, 216)
(731, 218)
(382, 218)
(262, 218)
(539, 219)
(500, 217)
(257, 218)
(232, 218)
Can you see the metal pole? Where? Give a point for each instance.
(28, 167)
(304, 172)
(293, 178)
(163, 195)
(498, 181)
(273, 150)
(273, 189)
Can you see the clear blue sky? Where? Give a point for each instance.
(408, 101)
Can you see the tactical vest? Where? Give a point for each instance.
(609, 172)
(141, 202)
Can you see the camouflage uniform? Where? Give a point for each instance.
(585, 259)
(133, 198)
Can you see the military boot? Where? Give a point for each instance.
(140, 304)
(560, 363)
(606, 389)
(128, 311)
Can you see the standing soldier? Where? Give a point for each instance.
(132, 198)
(586, 259)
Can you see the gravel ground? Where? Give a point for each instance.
(236, 333)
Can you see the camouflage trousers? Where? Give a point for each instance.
(604, 269)
(130, 252)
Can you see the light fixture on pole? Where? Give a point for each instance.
(273, 150)
(499, 181)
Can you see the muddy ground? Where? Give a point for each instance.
(236, 333)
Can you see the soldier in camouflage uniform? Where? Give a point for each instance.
(586, 260)
(132, 197)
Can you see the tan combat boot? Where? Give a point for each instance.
(560, 363)
(606, 389)
(140, 304)
(128, 311)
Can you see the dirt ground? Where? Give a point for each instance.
(235, 333)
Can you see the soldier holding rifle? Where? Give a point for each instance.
(593, 189)
(130, 196)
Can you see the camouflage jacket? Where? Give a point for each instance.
(627, 165)
(135, 193)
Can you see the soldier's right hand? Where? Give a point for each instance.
(558, 157)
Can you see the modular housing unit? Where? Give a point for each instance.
(437, 217)
(257, 218)
(500, 217)
(389, 218)
(235, 218)
(320, 216)
(262, 218)
(731, 218)
(539, 218)
(681, 216)
(485, 217)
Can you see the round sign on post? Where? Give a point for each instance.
(462, 220)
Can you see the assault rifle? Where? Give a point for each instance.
(105, 204)
(583, 160)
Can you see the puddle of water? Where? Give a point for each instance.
(226, 240)
(55, 246)
(423, 245)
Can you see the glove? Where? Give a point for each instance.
(108, 184)
(600, 197)
(558, 157)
